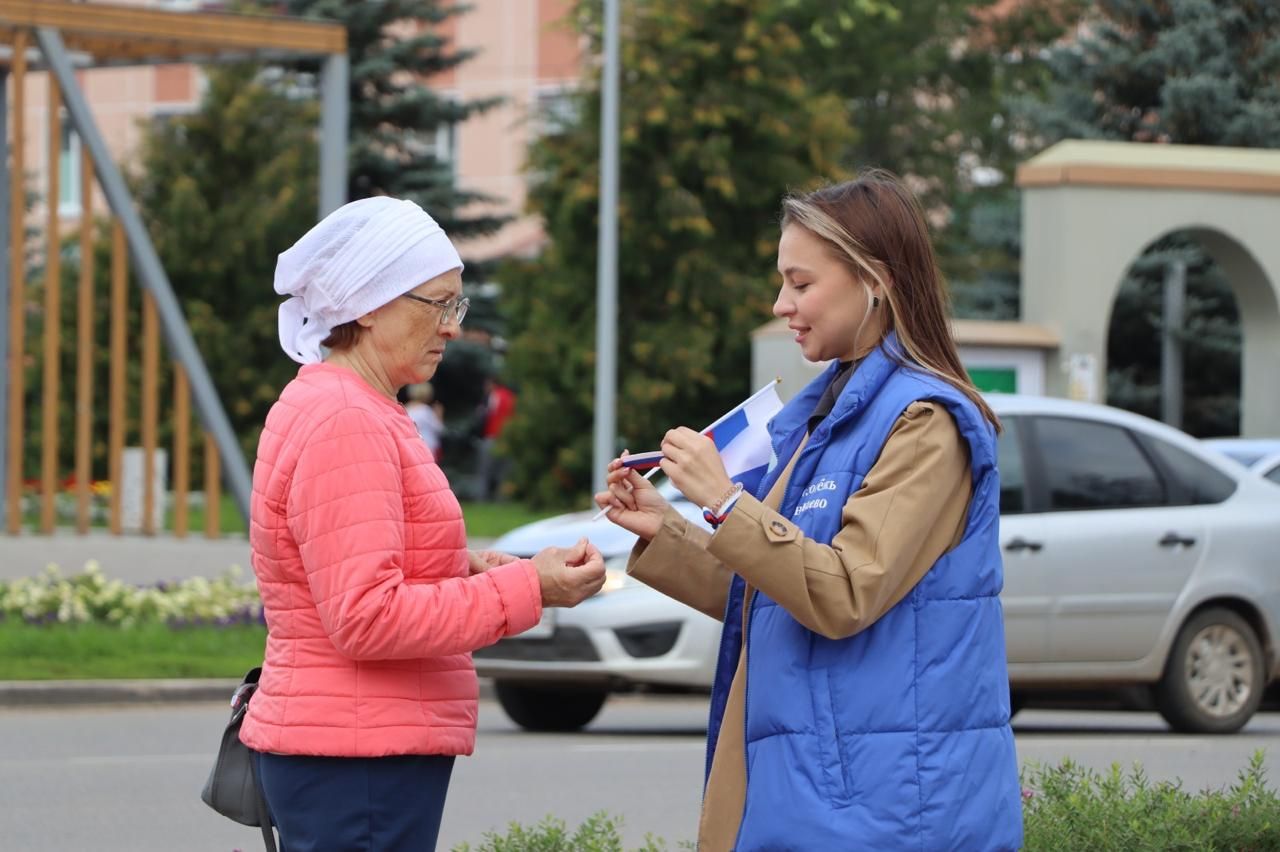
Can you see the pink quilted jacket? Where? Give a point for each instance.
(360, 553)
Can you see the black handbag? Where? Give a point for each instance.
(232, 788)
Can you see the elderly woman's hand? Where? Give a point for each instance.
(483, 560)
(569, 575)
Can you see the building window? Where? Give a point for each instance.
(554, 109)
(69, 176)
(445, 148)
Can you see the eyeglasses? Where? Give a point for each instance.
(451, 311)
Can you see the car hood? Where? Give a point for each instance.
(565, 530)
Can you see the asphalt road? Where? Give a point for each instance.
(128, 777)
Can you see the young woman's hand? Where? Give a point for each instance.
(631, 501)
(694, 466)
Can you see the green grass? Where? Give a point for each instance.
(490, 520)
(484, 520)
(85, 651)
(229, 520)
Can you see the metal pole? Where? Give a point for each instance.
(1175, 297)
(607, 257)
(181, 345)
(5, 366)
(335, 110)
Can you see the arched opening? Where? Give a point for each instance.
(1176, 301)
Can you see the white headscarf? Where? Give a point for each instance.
(356, 259)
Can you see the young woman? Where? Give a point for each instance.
(861, 699)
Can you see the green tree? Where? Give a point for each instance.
(927, 84)
(717, 123)
(1178, 71)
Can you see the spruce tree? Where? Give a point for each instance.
(395, 47)
(1193, 72)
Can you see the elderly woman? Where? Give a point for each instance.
(373, 602)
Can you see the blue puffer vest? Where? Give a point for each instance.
(898, 737)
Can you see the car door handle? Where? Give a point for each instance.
(1172, 539)
(1020, 543)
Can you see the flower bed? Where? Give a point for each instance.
(92, 598)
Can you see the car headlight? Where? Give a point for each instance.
(616, 577)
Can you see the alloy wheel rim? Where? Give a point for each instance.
(1219, 670)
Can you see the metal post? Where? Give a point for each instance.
(181, 345)
(334, 116)
(607, 257)
(5, 366)
(1175, 297)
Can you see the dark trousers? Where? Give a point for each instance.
(355, 804)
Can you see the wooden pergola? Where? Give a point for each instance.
(64, 37)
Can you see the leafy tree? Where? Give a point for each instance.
(1178, 71)
(927, 85)
(717, 123)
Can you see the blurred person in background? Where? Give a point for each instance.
(862, 697)
(427, 414)
(491, 469)
(372, 600)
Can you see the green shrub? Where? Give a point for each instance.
(1069, 808)
(600, 833)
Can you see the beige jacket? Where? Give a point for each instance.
(909, 511)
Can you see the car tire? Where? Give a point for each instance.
(1215, 676)
(549, 708)
(1017, 700)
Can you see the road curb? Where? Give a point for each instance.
(60, 693)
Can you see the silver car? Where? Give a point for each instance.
(1133, 556)
(1261, 455)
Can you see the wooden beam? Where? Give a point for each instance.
(205, 29)
(150, 409)
(84, 346)
(181, 449)
(115, 410)
(52, 319)
(212, 489)
(17, 282)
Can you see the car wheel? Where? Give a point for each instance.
(549, 708)
(1213, 680)
(1017, 700)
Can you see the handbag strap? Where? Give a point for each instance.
(264, 815)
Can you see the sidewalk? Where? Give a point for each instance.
(63, 693)
(131, 558)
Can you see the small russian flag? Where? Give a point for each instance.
(741, 437)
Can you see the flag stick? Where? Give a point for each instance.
(776, 380)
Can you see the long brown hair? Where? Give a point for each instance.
(874, 225)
